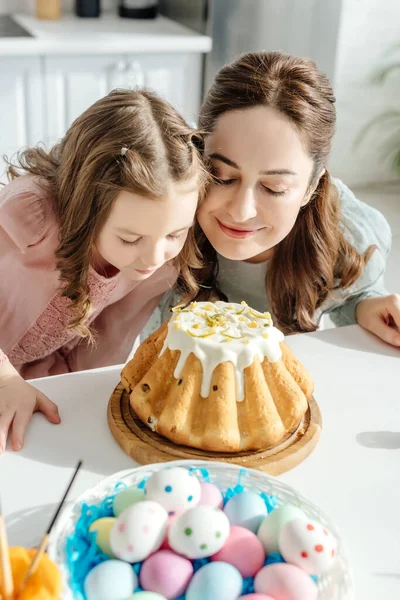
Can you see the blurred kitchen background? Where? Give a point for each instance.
(52, 69)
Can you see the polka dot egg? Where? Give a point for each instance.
(139, 531)
(308, 545)
(175, 489)
(199, 532)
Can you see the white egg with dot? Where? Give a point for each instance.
(246, 509)
(308, 545)
(139, 531)
(176, 489)
(199, 532)
(110, 580)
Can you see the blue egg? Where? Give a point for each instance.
(110, 580)
(216, 580)
(246, 509)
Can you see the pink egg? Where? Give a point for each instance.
(242, 550)
(210, 495)
(166, 573)
(165, 545)
(285, 582)
(256, 597)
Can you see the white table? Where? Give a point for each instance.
(353, 475)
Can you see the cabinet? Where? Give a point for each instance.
(21, 103)
(72, 83)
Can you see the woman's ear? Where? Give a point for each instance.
(311, 189)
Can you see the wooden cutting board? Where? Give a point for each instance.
(146, 446)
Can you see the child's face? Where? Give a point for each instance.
(142, 234)
(263, 174)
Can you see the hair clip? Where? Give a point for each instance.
(124, 150)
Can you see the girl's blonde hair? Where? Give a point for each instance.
(314, 258)
(86, 170)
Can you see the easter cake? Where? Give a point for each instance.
(218, 377)
(180, 532)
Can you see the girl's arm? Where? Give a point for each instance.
(23, 223)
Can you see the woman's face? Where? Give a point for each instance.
(262, 174)
(142, 234)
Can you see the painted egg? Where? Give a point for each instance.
(270, 527)
(215, 580)
(243, 550)
(246, 510)
(110, 580)
(127, 498)
(308, 545)
(175, 489)
(199, 532)
(147, 596)
(285, 582)
(210, 495)
(139, 531)
(103, 527)
(166, 573)
(256, 597)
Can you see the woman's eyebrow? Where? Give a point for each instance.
(231, 163)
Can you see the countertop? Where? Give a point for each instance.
(108, 34)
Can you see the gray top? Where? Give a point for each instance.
(362, 225)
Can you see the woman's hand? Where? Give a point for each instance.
(18, 402)
(381, 316)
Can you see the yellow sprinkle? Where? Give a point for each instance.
(246, 342)
(196, 326)
(177, 326)
(267, 315)
(253, 325)
(244, 303)
(209, 307)
(265, 335)
(242, 319)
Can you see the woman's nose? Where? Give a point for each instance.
(243, 207)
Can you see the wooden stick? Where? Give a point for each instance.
(45, 540)
(5, 564)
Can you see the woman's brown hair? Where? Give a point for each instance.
(86, 170)
(314, 258)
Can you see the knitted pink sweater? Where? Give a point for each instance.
(33, 314)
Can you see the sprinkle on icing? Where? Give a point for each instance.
(219, 332)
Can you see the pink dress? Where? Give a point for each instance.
(33, 314)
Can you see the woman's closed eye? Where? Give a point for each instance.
(273, 192)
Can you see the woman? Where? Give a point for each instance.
(276, 230)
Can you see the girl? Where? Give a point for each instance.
(277, 231)
(90, 238)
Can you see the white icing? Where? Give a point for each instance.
(218, 332)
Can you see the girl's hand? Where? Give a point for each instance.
(381, 316)
(18, 401)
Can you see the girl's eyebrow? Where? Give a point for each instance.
(230, 163)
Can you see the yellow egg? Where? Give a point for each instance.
(103, 528)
